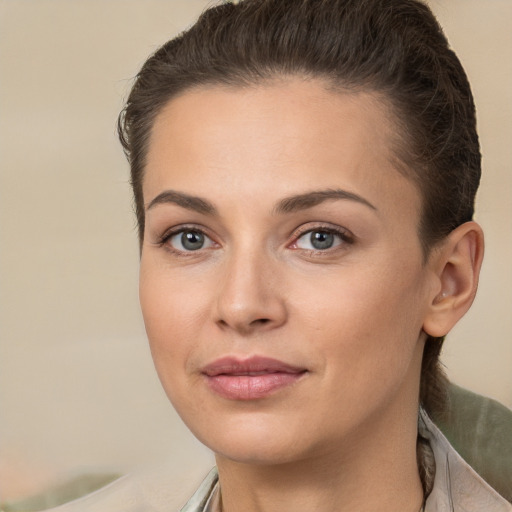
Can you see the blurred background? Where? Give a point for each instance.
(78, 392)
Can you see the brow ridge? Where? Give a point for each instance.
(314, 198)
(187, 201)
(287, 205)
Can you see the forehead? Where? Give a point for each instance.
(282, 107)
(277, 138)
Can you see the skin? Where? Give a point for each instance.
(352, 316)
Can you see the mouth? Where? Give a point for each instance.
(250, 379)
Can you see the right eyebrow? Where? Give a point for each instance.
(189, 202)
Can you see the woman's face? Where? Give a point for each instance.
(282, 280)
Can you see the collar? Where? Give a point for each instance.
(457, 486)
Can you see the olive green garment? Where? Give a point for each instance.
(480, 430)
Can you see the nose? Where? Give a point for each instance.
(250, 297)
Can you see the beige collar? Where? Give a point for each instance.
(457, 487)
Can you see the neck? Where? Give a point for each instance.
(370, 472)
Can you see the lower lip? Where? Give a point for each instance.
(251, 387)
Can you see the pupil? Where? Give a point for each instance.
(322, 240)
(192, 240)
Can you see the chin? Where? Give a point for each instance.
(257, 440)
(259, 453)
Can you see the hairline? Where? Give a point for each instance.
(400, 154)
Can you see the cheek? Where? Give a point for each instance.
(369, 318)
(362, 297)
(170, 312)
(168, 328)
(171, 300)
(367, 330)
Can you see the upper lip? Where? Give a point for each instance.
(255, 365)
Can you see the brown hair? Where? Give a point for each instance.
(394, 48)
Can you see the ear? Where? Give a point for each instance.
(456, 266)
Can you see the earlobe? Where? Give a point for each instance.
(457, 267)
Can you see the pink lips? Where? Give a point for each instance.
(249, 379)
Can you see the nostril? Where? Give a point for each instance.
(244, 326)
(261, 321)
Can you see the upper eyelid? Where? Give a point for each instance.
(312, 226)
(170, 232)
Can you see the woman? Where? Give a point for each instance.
(304, 177)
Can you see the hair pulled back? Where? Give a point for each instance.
(394, 48)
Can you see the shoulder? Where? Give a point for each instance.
(159, 489)
(480, 430)
(472, 449)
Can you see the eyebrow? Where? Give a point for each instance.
(189, 202)
(287, 205)
(310, 199)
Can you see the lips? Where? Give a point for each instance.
(250, 379)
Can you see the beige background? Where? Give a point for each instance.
(77, 387)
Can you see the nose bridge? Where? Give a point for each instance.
(249, 298)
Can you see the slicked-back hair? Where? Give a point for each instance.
(393, 48)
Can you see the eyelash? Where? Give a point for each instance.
(344, 236)
(164, 240)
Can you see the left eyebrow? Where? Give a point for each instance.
(308, 200)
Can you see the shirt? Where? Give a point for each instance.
(479, 427)
(457, 486)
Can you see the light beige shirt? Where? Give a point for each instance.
(457, 487)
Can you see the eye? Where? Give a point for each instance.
(320, 239)
(188, 240)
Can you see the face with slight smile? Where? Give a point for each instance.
(282, 279)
